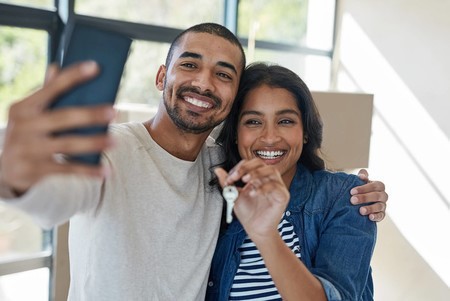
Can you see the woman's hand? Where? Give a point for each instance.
(263, 198)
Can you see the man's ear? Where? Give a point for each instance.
(160, 76)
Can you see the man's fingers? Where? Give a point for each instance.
(369, 187)
(376, 212)
(370, 197)
(58, 84)
(377, 217)
(364, 175)
(374, 208)
(51, 73)
(75, 117)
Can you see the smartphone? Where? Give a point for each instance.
(81, 41)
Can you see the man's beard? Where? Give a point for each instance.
(189, 125)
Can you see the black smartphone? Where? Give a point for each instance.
(81, 41)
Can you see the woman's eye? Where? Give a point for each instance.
(252, 122)
(286, 121)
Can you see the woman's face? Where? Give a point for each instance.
(270, 127)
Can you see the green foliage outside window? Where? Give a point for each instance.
(282, 21)
(23, 58)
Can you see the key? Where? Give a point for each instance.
(230, 194)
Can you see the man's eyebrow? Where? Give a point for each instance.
(227, 65)
(191, 54)
(199, 56)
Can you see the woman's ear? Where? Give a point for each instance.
(160, 77)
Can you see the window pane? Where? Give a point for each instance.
(174, 13)
(30, 285)
(32, 3)
(19, 235)
(138, 81)
(313, 69)
(23, 57)
(296, 22)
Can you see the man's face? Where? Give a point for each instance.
(201, 82)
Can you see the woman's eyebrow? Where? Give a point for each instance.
(251, 112)
(288, 111)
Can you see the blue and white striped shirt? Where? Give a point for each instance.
(252, 280)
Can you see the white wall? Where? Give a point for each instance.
(414, 37)
(398, 50)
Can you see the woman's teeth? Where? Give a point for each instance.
(269, 154)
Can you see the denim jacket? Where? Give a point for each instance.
(336, 242)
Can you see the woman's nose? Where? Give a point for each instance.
(270, 135)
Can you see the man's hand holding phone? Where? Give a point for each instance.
(82, 41)
(30, 144)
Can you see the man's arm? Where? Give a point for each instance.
(371, 192)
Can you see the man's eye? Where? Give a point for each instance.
(224, 75)
(188, 65)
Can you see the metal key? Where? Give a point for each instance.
(230, 194)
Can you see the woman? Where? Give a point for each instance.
(321, 248)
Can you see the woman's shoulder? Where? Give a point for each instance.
(331, 189)
(335, 179)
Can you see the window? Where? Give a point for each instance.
(297, 34)
(27, 42)
(22, 67)
(175, 13)
(23, 245)
(264, 19)
(137, 85)
(34, 3)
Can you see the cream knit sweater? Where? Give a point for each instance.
(148, 232)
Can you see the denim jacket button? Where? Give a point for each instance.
(288, 213)
(210, 283)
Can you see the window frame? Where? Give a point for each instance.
(52, 21)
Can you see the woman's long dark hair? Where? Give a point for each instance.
(256, 75)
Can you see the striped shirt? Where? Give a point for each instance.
(252, 280)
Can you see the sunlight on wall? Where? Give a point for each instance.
(409, 152)
(319, 35)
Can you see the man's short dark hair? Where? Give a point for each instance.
(211, 28)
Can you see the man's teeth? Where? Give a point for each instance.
(269, 154)
(198, 103)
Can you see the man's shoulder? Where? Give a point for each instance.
(214, 150)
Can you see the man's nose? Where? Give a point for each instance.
(203, 81)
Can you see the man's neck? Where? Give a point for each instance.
(185, 146)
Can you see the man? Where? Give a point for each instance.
(143, 226)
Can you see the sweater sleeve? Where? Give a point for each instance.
(56, 199)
